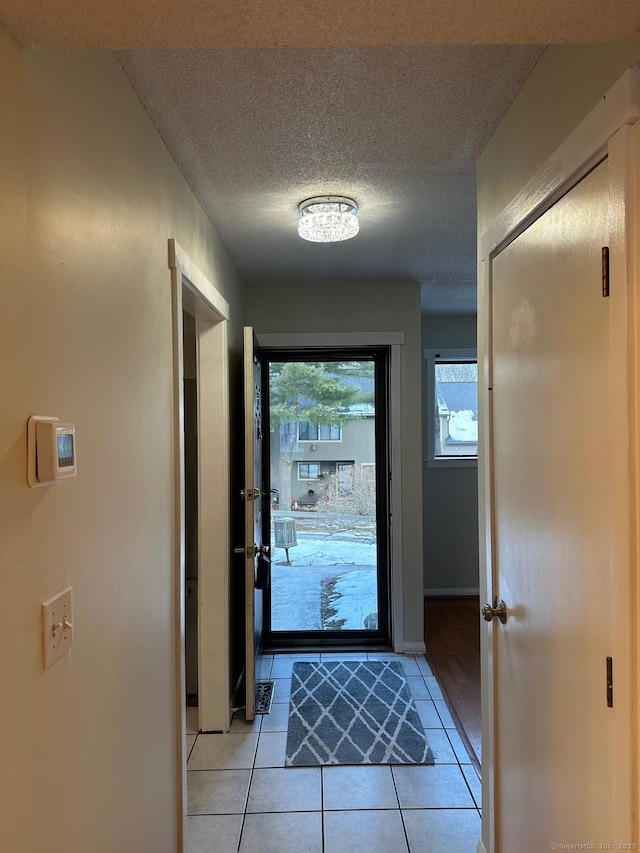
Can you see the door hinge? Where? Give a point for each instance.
(610, 682)
(605, 270)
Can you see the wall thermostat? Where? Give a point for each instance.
(51, 451)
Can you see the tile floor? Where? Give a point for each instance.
(241, 799)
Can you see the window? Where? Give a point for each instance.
(307, 431)
(314, 432)
(308, 470)
(452, 405)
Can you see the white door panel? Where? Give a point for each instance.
(552, 439)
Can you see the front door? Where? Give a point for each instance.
(560, 780)
(328, 471)
(255, 554)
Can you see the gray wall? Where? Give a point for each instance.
(450, 495)
(375, 307)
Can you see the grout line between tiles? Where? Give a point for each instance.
(246, 805)
(404, 828)
(322, 812)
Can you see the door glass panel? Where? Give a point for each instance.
(323, 496)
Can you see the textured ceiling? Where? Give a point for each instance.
(285, 99)
(313, 23)
(398, 129)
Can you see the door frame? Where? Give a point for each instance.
(611, 131)
(380, 357)
(192, 292)
(395, 342)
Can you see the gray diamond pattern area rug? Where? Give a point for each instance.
(353, 712)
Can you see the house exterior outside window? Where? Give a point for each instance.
(328, 458)
(308, 470)
(318, 432)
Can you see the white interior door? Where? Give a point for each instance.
(559, 778)
(253, 494)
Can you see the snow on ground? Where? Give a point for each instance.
(356, 598)
(341, 566)
(314, 550)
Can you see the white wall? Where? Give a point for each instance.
(563, 87)
(450, 495)
(89, 197)
(371, 308)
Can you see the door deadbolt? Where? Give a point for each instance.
(499, 609)
(253, 550)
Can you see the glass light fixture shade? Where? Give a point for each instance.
(328, 219)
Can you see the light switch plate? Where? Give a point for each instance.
(57, 627)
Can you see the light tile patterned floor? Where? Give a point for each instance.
(241, 799)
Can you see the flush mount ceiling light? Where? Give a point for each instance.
(328, 219)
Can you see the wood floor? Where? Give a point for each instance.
(452, 638)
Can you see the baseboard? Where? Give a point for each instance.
(449, 593)
(414, 648)
(480, 848)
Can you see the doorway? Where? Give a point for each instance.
(190, 394)
(552, 374)
(326, 468)
(200, 353)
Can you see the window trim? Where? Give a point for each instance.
(432, 357)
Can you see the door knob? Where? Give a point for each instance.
(499, 609)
